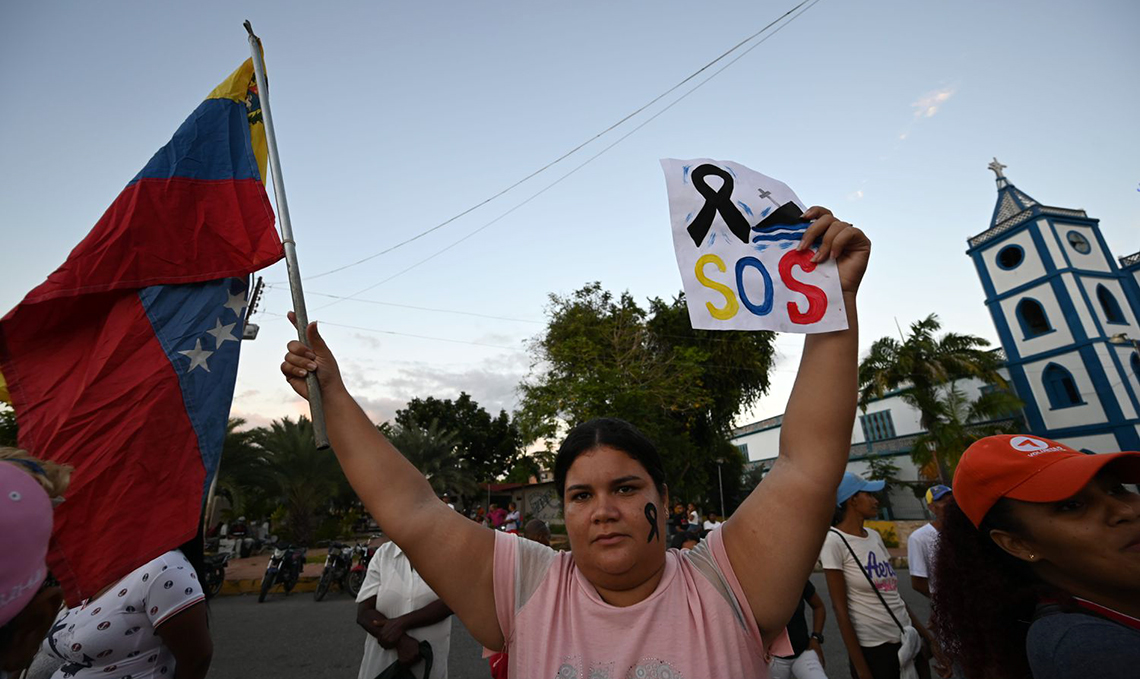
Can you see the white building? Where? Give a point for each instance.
(888, 428)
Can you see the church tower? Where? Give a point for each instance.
(1067, 318)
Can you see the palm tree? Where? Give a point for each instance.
(920, 364)
(433, 452)
(304, 479)
(243, 470)
(959, 422)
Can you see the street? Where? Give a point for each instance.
(295, 636)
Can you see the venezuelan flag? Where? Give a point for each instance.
(123, 362)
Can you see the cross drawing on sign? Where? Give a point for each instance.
(768, 194)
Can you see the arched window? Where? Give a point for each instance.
(1032, 317)
(1060, 387)
(1108, 303)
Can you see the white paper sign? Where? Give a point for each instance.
(735, 232)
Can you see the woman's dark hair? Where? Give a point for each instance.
(612, 432)
(984, 598)
(194, 550)
(680, 539)
(840, 512)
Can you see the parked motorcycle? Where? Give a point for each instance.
(285, 566)
(362, 555)
(215, 573)
(338, 564)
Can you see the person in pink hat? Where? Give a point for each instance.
(27, 606)
(1038, 562)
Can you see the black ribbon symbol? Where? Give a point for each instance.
(651, 517)
(716, 200)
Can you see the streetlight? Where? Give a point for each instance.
(720, 482)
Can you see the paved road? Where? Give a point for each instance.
(295, 636)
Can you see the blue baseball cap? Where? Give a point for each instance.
(853, 483)
(936, 493)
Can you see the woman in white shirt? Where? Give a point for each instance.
(398, 609)
(871, 623)
(145, 626)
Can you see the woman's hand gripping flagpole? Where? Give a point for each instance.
(301, 321)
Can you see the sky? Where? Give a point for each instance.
(392, 118)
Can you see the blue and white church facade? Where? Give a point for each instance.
(1067, 315)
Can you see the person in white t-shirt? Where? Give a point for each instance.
(921, 543)
(513, 519)
(711, 522)
(398, 610)
(873, 634)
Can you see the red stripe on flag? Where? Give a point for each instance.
(95, 396)
(169, 231)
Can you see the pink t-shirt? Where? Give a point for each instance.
(696, 624)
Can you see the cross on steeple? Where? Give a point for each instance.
(997, 168)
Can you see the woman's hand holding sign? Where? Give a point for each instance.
(847, 245)
(774, 538)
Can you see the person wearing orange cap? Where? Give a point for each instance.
(1038, 562)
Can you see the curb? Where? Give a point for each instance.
(253, 586)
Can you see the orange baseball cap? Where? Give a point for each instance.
(1028, 468)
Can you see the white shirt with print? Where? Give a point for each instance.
(873, 625)
(113, 636)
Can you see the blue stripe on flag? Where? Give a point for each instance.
(199, 327)
(212, 144)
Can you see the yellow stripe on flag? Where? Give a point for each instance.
(241, 87)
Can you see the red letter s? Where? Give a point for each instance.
(817, 298)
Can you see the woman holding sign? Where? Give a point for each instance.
(593, 611)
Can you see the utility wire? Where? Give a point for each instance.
(589, 160)
(566, 155)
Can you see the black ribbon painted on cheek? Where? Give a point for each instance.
(716, 200)
(651, 517)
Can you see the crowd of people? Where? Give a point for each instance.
(1032, 561)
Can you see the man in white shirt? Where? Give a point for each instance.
(398, 610)
(921, 544)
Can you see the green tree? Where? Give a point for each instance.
(243, 472)
(957, 422)
(433, 451)
(307, 482)
(486, 446)
(883, 468)
(8, 430)
(921, 363)
(603, 355)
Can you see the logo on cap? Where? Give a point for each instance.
(1027, 445)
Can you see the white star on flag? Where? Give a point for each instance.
(237, 303)
(222, 333)
(197, 356)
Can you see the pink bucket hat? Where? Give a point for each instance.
(25, 528)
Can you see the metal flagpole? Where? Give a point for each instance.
(316, 408)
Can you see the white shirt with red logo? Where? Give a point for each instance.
(113, 635)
